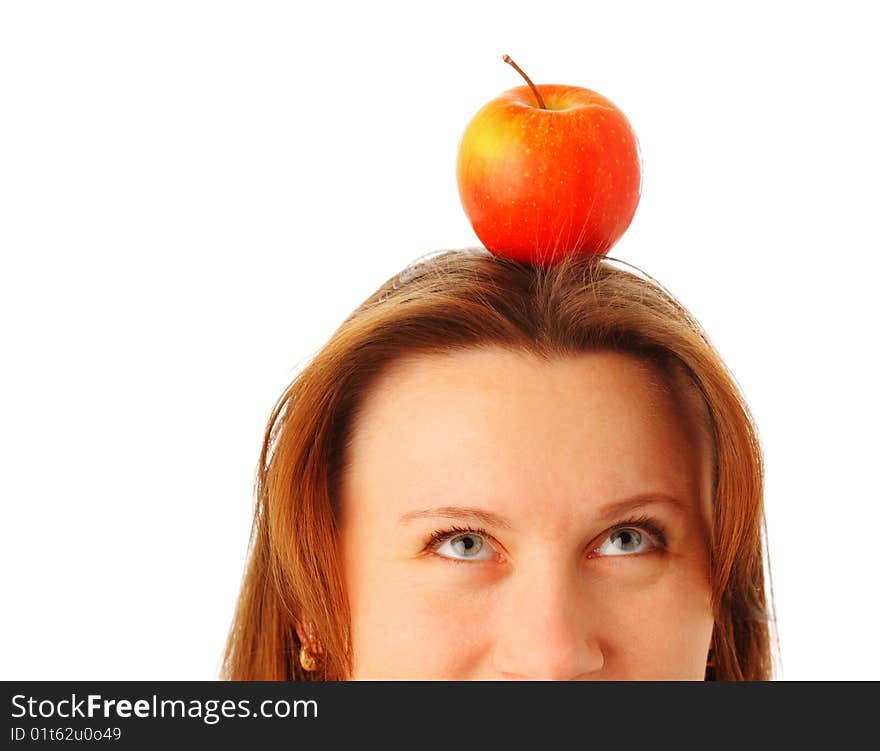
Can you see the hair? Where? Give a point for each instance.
(452, 300)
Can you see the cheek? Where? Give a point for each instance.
(660, 632)
(401, 631)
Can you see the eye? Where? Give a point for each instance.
(462, 545)
(625, 541)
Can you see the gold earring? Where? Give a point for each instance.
(306, 659)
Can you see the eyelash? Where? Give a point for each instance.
(439, 536)
(643, 523)
(647, 524)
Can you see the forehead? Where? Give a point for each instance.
(478, 425)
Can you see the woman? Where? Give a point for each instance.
(502, 471)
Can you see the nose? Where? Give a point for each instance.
(545, 632)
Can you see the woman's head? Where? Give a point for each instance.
(496, 470)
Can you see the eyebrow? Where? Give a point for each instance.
(606, 513)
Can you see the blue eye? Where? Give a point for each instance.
(625, 541)
(462, 545)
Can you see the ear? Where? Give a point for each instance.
(305, 630)
(300, 632)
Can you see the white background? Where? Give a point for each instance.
(194, 195)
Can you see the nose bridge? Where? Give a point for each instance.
(546, 631)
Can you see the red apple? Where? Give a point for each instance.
(549, 170)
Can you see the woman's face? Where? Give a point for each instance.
(504, 517)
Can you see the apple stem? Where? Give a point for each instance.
(507, 59)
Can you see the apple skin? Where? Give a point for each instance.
(539, 183)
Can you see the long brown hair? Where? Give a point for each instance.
(451, 300)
